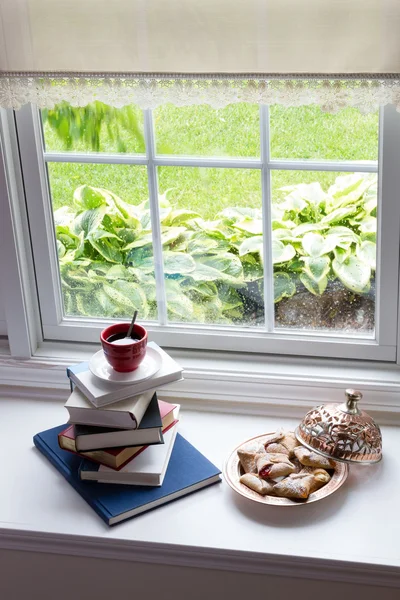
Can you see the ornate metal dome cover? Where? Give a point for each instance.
(342, 432)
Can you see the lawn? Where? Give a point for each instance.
(295, 133)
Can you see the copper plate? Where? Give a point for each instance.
(232, 472)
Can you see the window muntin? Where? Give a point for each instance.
(228, 208)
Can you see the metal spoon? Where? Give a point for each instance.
(129, 334)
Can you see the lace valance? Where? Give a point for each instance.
(150, 91)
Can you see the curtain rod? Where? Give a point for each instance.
(196, 76)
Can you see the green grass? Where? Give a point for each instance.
(295, 133)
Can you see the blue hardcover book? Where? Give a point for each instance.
(188, 471)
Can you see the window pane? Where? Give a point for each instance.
(307, 132)
(209, 216)
(204, 131)
(96, 127)
(324, 250)
(104, 243)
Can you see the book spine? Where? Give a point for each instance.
(61, 468)
(71, 383)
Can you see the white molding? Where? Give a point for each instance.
(19, 293)
(205, 558)
(226, 382)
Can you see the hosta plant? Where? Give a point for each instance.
(214, 269)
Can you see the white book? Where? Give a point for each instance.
(101, 393)
(148, 468)
(125, 414)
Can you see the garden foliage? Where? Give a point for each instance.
(214, 269)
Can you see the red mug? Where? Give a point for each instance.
(124, 358)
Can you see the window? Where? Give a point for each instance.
(241, 228)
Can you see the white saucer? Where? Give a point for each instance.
(147, 368)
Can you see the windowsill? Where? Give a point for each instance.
(344, 538)
(239, 383)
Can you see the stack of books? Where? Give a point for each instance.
(120, 449)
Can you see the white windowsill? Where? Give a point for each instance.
(350, 536)
(238, 383)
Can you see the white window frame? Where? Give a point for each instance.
(55, 327)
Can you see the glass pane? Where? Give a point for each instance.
(104, 243)
(96, 127)
(204, 131)
(307, 132)
(212, 236)
(324, 250)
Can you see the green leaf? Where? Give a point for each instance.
(252, 268)
(107, 244)
(87, 197)
(317, 267)
(368, 225)
(129, 212)
(294, 202)
(228, 263)
(345, 234)
(311, 193)
(237, 213)
(108, 305)
(353, 273)
(252, 244)
(202, 244)
(315, 244)
(348, 189)
(66, 237)
(63, 216)
(88, 221)
(316, 288)
(366, 252)
(181, 216)
(118, 272)
(339, 214)
(180, 307)
(229, 297)
(285, 235)
(60, 249)
(250, 225)
(178, 263)
(216, 228)
(283, 223)
(127, 296)
(306, 227)
(206, 273)
(282, 253)
(341, 254)
(168, 235)
(283, 286)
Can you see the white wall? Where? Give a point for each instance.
(37, 576)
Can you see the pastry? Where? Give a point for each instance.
(280, 456)
(312, 459)
(276, 447)
(301, 485)
(273, 465)
(247, 460)
(257, 485)
(290, 442)
(274, 437)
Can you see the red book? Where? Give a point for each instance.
(116, 458)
